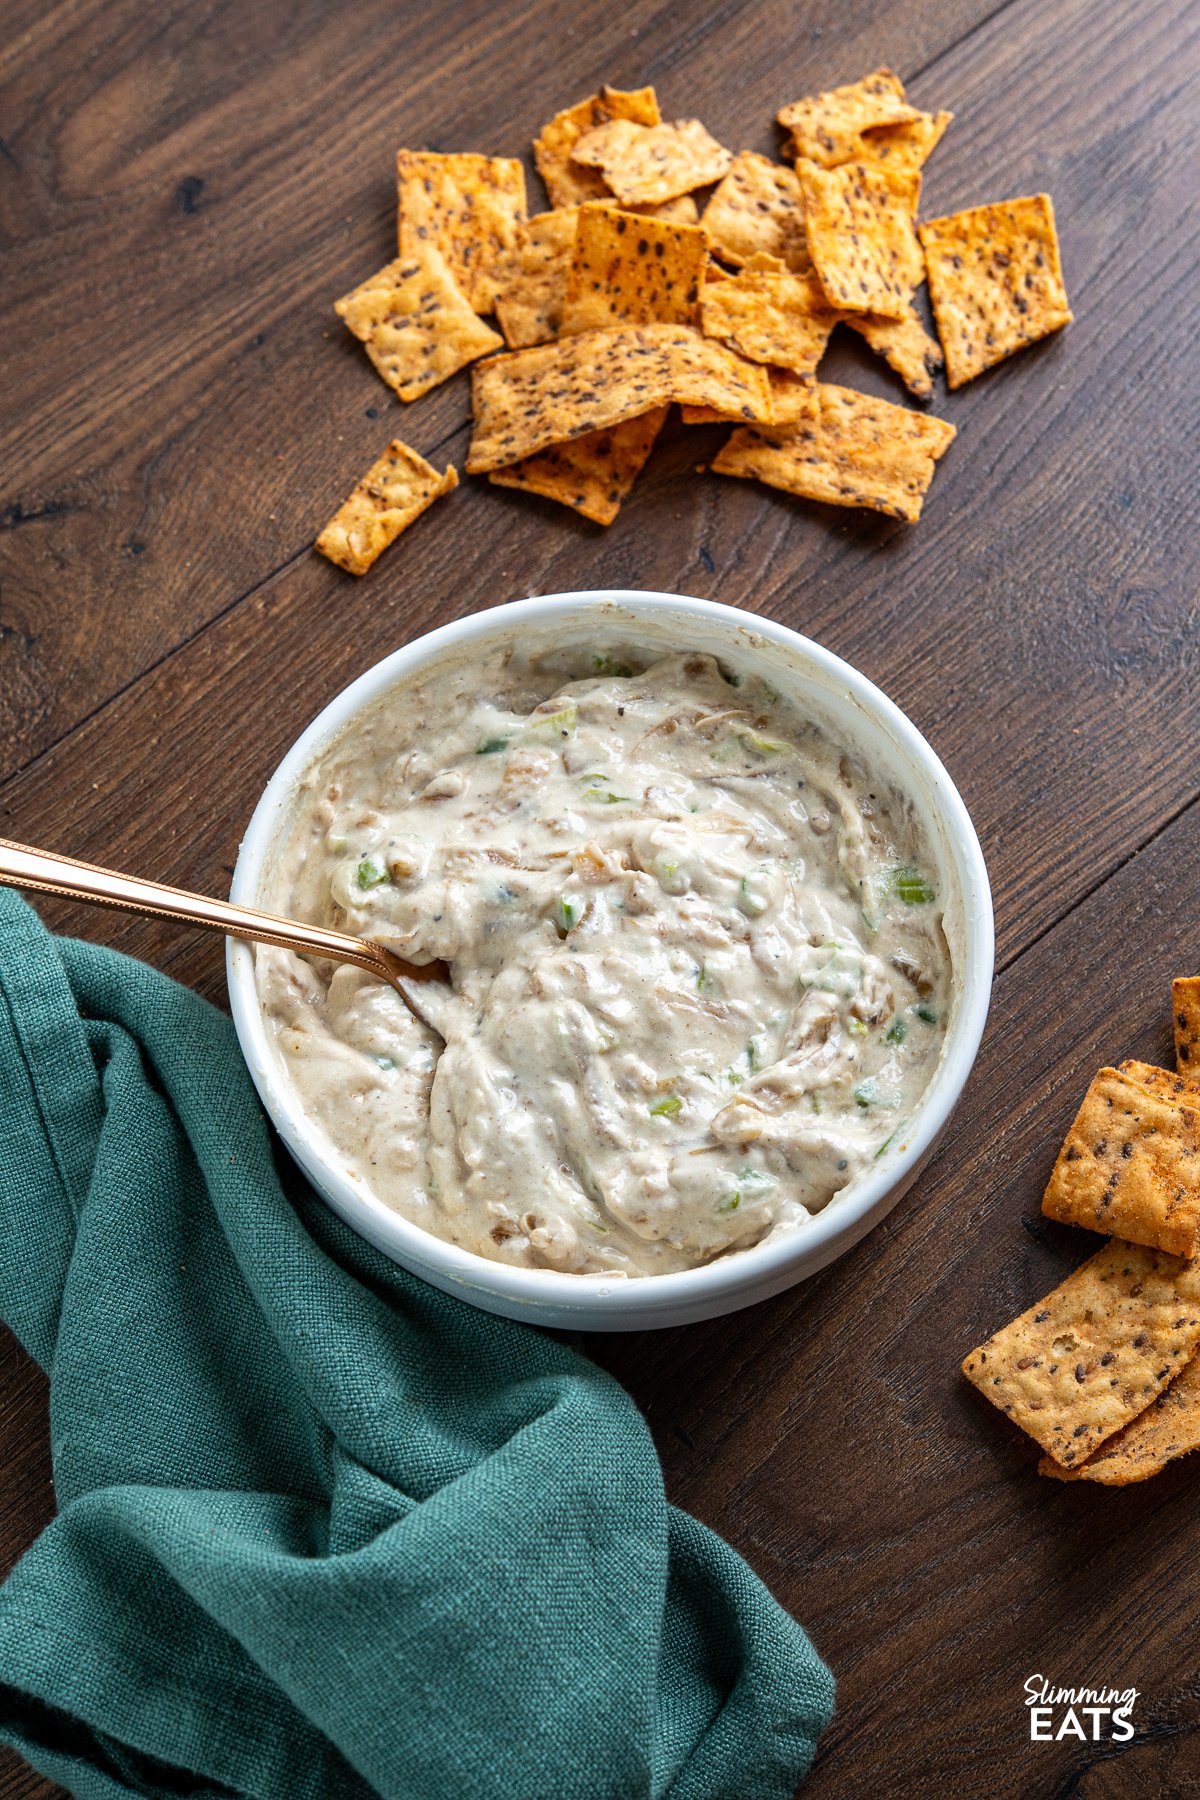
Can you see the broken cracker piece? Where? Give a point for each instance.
(1185, 1002)
(904, 345)
(653, 163)
(1130, 1166)
(995, 280)
(593, 474)
(905, 147)
(529, 305)
(862, 236)
(826, 127)
(530, 399)
(393, 492)
(469, 207)
(416, 323)
(627, 269)
(855, 451)
(568, 183)
(1094, 1353)
(771, 315)
(758, 208)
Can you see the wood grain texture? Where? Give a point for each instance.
(182, 193)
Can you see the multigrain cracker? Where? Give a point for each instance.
(533, 398)
(855, 451)
(647, 164)
(905, 147)
(529, 305)
(1168, 1428)
(905, 346)
(627, 269)
(568, 183)
(771, 315)
(682, 210)
(826, 128)
(416, 323)
(995, 280)
(1164, 1082)
(1095, 1352)
(592, 474)
(758, 208)
(862, 237)
(393, 492)
(1130, 1166)
(1185, 1001)
(471, 208)
(793, 398)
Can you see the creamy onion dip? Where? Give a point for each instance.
(699, 979)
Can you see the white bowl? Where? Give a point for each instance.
(856, 714)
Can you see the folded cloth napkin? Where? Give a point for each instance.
(324, 1532)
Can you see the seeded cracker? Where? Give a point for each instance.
(856, 451)
(569, 183)
(793, 398)
(532, 398)
(904, 345)
(771, 315)
(862, 237)
(393, 492)
(416, 324)
(631, 270)
(1130, 1166)
(649, 164)
(758, 208)
(530, 303)
(469, 207)
(826, 129)
(996, 282)
(1163, 1082)
(593, 474)
(1094, 1353)
(1185, 1000)
(1167, 1429)
(905, 147)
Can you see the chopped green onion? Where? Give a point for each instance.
(884, 1145)
(926, 1014)
(490, 746)
(666, 1109)
(867, 1092)
(753, 1056)
(606, 665)
(911, 885)
(371, 873)
(730, 1205)
(563, 721)
(758, 745)
(385, 1062)
(896, 1032)
(857, 1028)
(750, 901)
(703, 979)
(566, 913)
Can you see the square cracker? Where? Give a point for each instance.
(647, 164)
(627, 269)
(862, 236)
(1164, 1082)
(905, 147)
(1185, 1001)
(758, 208)
(793, 398)
(569, 183)
(529, 305)
(904, 345)
(593, 474)
(826, 127)
(533, 398)
(995, 280)
(469, 207)
(855, 451)
(1130, 1166)
(1169, 1427)
(416, 323)
(393, 492)
(1095, 1352)
(771, 315)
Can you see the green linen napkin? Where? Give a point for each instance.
(322, 1530)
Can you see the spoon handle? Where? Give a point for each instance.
(38, 870)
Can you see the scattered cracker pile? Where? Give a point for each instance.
(624, 298)
(1103, 1373)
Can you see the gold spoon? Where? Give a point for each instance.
(41, 872)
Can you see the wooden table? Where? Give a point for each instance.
(185, 189)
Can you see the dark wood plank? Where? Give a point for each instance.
(185, 191)
(830, 1435)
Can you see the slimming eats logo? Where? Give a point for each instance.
(1056, 1713)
